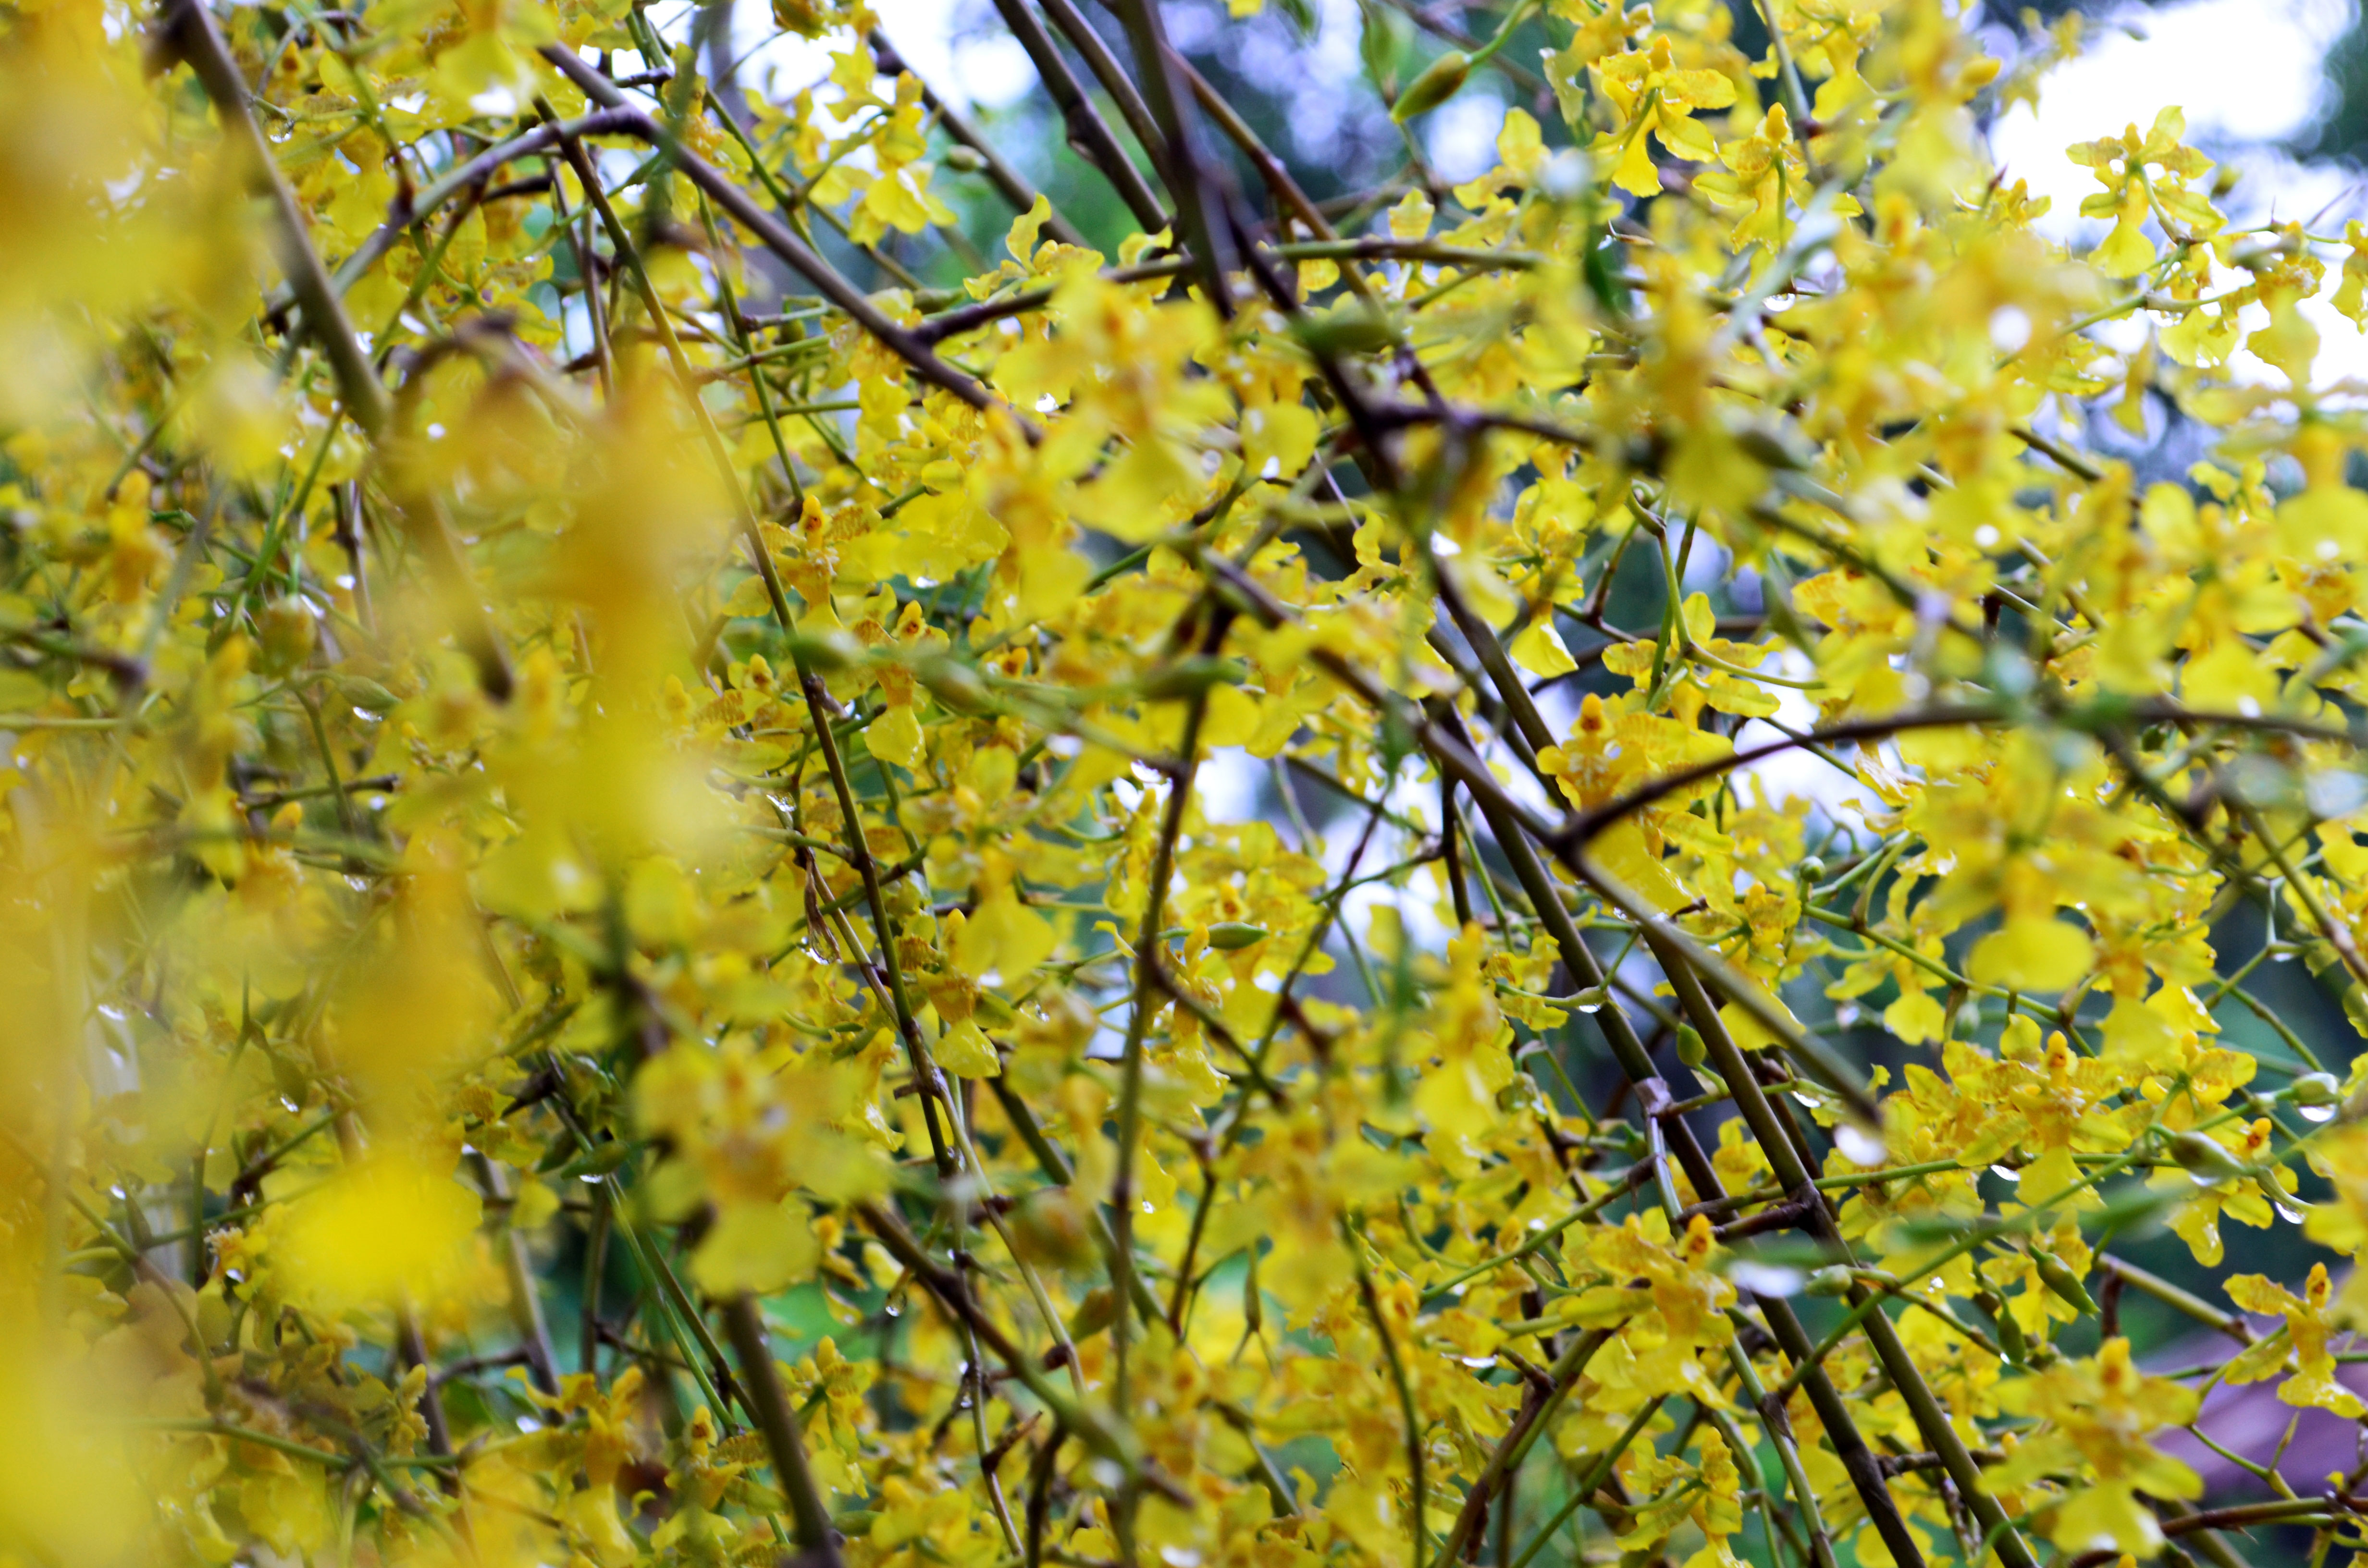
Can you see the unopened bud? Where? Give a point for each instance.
(289, 630)
(958, 687)
(1349, 328)
(2011, 1340)
(1770, 449)
(1191, 677)
(2058, 1277)
(2205, 1158)
(1439, 82)
(1095, 1313)
(2315, 1089)
(828, 651)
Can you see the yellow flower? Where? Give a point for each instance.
(1651, 94)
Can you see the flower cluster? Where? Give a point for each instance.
(689, 875)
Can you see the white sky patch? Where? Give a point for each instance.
(2247, 73)
(982, 67)
(1797, 774)
(1460, 135)
(1415, 799)
(1230, 781)
(2242, 70)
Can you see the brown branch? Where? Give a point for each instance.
(1776, 1142)
(1199, 204)
(1536, 1411)
(1089, 133)
(1511, 823)
(1108, 71)
(776, 237)
(1582, 828)
(189, 27)
(809, 1518)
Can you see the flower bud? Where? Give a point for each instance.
(1834, 1279)
(1095, 1313)
(1350, 327)
(2205, 1159)
(368, 695)
(2058, 1277)
(799, 17)
(1691, 1048)
(1049, 1226)
(958, 687)
(1770, 449)
(289, 630)
(1439, 82)
(2316, 1089)
(1232, 935)
(828, 652)
(1191, 677)
(2010, 1332)
(969, 160)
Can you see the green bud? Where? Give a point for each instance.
(1049, 1226)
(1232, 935)
(1439, 81)
(1095, 1313)
(2010, 1332)
(681, 92)
(1812, 872)
(2316, 1089)
(2205, 1158)
(826, 652)
(1350, 327)
(599, 1160)
(1191, 677)
(1691, 1048)
(291, 1080)
(1770, 449)
(958, 687)
(1835, 1279)
(2058, 1277)
(969, 160)
(366, 694)
(799, 17)
(288, 630)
